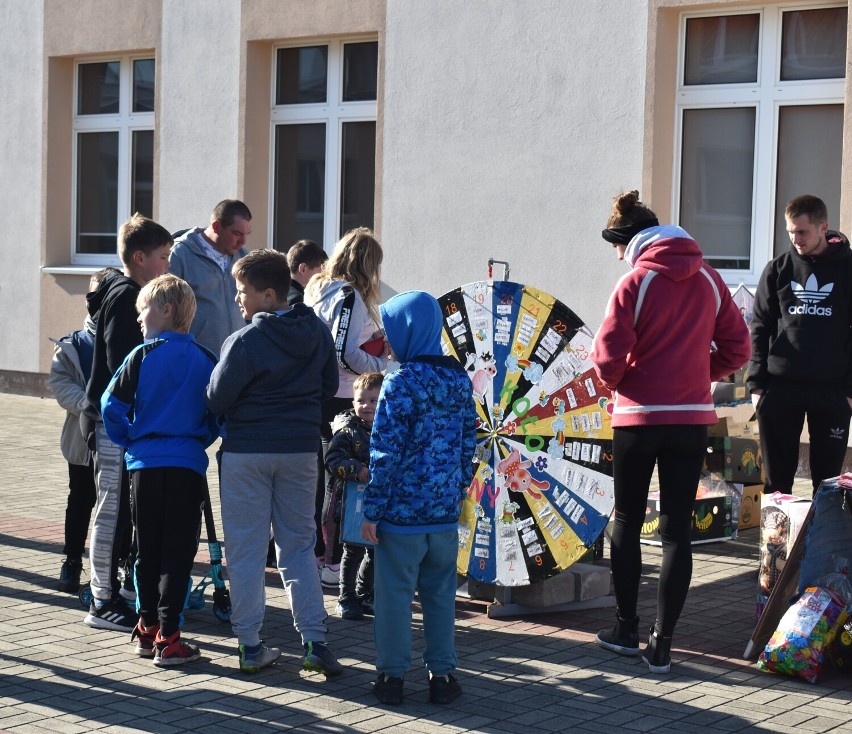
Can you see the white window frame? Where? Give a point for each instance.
(334, 112)
(125, 122)
(767, 95)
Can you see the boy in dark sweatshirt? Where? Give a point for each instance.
(268, 389)
(143, 246)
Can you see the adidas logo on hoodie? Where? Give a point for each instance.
(810, 295)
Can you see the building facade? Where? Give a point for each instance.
(459, 131)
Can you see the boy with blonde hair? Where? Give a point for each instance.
(161, 385)
(143, 246)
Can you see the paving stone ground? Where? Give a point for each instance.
(537, 673)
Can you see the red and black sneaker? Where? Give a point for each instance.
(171, 651)
(144, 639)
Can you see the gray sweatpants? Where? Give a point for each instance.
(257, 490)
(111, 516)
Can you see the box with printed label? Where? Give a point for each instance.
(712, 520)
(749, 514)
(735, 459)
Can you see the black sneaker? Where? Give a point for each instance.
(658, 653)
(443, 688)
(69, 575)
(111, 615)
(319, 659)
(368, 604)
(388, 690)
(350, 609)
(623, 638)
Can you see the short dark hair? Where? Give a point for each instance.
(808, 204)
(227, 210)
(141, 234)
(263, 269)
(305, 251)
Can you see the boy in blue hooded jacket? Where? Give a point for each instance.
(421, 464)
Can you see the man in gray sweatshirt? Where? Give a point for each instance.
(203, 258)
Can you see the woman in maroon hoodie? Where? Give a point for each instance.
(670, 328)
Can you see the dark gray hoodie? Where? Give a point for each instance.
(270, 382)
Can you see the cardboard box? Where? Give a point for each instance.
(736, 460)
(732, 390)
(749, 512)
(712, 520)
(728, 426)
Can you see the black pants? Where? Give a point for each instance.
(678, 452)
(332, 547)
(82, 494)
(356, 572)
(167, 506)
(781, 413)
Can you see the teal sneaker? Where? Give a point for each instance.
(319, 659)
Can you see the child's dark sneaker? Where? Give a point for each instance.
(69, 575)
(388, 690)
(658, 653)
(350, 609)
(623, 638)
(172, 650)
(144, 640)
(319, 659)
(443, 688)
(128, 584)
(368, 604)
(255, 657)
(111, 615)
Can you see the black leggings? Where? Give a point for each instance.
(167, 506)
(678, 452)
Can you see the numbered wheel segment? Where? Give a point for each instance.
(542, 488)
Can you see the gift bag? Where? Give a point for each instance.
(353, 513)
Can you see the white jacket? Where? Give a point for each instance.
(341, 308)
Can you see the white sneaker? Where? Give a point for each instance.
(330, 577)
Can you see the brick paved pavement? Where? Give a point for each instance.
(540, 673)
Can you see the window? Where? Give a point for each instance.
(113, 152)
(760, 120)
(324, 141)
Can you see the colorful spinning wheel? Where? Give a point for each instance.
(542, 489)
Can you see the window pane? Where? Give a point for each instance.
(142, 173)
(97, 178)
(143, 85)
(299, 184)
(360, 71)
(813, 44)
(358, 179)
(97, 88)
(810, 139)
(716, 183)
(302, 75)
(722, 49)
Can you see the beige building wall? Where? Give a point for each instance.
(504, 128)
(20, 185)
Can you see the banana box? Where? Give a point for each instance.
(712, 520)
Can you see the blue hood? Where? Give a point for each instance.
(412, 323)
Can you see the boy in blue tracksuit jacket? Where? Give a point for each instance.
(154, 407)
(421, 453)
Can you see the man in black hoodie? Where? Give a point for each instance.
(801, 353)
